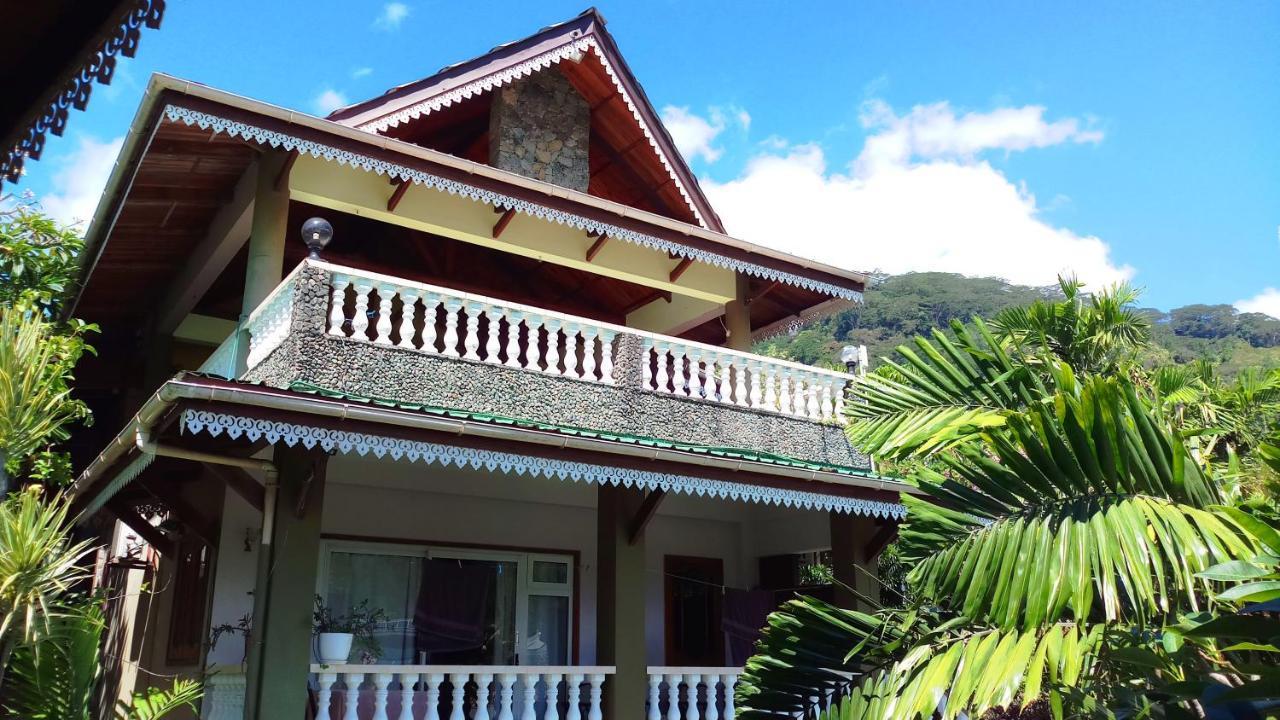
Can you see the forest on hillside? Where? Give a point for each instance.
(898, 307)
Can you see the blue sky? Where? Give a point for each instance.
(1116, 140)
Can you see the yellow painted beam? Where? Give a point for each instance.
(355, 191)
(680, 315)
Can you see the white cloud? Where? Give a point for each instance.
(929, 204)
(935, 132)
(327, 101)
(692, 133)
(361, 72)
(1267, 301)
(393, 13)
(79, 180)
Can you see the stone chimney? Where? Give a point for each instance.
(539, 127)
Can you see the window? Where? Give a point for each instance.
(453, 606)
(187, 622)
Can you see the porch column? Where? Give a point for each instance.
(280, 651)
(737, 317)
(850, 540)
(267, 236)
(620, 601)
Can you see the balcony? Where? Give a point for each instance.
(347, 332)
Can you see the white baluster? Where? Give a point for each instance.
(589, 335)
(483, 681)
(770, 391)
(740, 382)
(691, 709)
(382, 330)
(754, 397)
(353, 681)
(839, 389)
(573, 696)
(471, 338)
(695, 373)
(606, 357)
(646, 365)
(660, 377)
(459, 682)
(513, 338)
(381, 688)
(784, 392)
(826, 400)
(730, 682)
(713, 362)
(430, 303)
(655, 699)
(408, 317)
(452, 306)
(506, 686)
(360, 320)
(571, 350)
(551, 695)
(593, 709)
(530, 688)
(713, 691)
(432, 686)
(407, 681)
(679, 383)
(325, 695)
(338, 306)
(673, 696)
(492, 346)
(553, 346)
(813, 407)
(532, 359)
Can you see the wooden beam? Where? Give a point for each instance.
(186, 513)
(768, 289)
(145, 530)
(503, 222)
(398, 195)
(596, 247)
(228, 232)
(282, 177)
(876, 545)
(241, 482)
(650, 193)
(644, 514)
(679, 269)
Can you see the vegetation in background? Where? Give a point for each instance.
(1088, 537)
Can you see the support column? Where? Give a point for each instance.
(850, 535)
(280, 648)
(267, 236)
(620, 602)
(737, 317)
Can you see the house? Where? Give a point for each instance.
(475, 352)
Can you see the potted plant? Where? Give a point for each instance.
(336, 633)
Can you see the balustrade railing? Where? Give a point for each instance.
(383, 310)
(452, 692)
(692, 693)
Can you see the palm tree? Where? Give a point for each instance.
(1058, 536)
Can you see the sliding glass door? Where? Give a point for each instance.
(455, 606)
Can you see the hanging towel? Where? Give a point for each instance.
(452, 602)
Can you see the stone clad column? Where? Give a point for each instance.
(280, 644)
(620, 603)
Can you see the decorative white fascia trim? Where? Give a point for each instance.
(347, 442)
(571, 49)
(206, 121)
(126, 475)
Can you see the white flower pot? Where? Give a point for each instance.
(334, 648)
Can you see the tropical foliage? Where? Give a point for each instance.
(1080, 540)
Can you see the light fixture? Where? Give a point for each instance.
(316, 233)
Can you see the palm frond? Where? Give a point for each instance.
(54, 677)
(156, 703)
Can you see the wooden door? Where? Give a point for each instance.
(694, 599)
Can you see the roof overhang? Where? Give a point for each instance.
(192, 404)
(169, 99)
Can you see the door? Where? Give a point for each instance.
(694, 603)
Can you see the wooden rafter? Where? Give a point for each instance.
(651, 297)
(503, 222)
(648, 508)
(398, 195)
(596, 247)
(187, 513)
(241, 482)
(767, 289)
(145, 530)
(616, 157)
(680, 269)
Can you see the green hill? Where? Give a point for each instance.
(898, 307)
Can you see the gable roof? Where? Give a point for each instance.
(571, 40)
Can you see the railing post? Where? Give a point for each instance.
(673, 696)
(655, 699)
(506, 688)
(381, 692)
(324, 696)
(352, 695)
(459, 682)
(434, 680)
(407, 681)
(594, 711)
(573, 693)
(483, 681)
